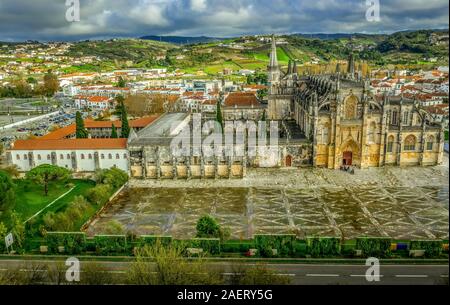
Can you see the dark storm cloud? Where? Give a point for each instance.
(45, 19)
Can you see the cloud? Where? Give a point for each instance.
(198, 5)
(45, 19)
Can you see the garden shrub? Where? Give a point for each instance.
(374, 247)
(284, 244)
(323, 246)
(99, 194)
(114, 177)
(73, 242)
(432, 248)
(110, 244)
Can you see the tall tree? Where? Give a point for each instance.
(7, 187)
(125, 124)
(114, 132)
(51, 84)
(219, 117)
(81, 132)
(121, 83)
(119, 101)
(46, 173)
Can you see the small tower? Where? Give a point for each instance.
(295, 69)
(289, 71)
(351, 61)
(273, 68)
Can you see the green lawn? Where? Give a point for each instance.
(30, 198)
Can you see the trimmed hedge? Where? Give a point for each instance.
(374, 247)
(209, 245)
(73, 243)
(237, 247)
(110, 244)
(323, 246)
(432, 248)
(300, 248)
(284, 244)
(151, 240)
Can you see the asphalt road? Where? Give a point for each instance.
(301, 274)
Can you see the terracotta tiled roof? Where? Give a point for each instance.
(88, 124)
(60, 133)
(98, 99)
(69, 144)
(241, 99)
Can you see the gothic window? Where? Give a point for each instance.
(61, 156)
(351, 107)
(48, 157)
(326, 134)
(103, 156)
(18, 157)
(390, 145)
(410, 143)
(125, 156)
(372, 132)
(25, 157)
(68, 156)
(90, 156)
(430, 143)
(109, 156)
(406, 118)
(39, 157)
(82, 156)
(117, 156)
(394, 118)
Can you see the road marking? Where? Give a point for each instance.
(411, 276)
(323, 275)
(444, 275)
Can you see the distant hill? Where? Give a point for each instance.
(181, 39)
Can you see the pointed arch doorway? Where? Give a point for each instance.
(347, 159)
(289, 161)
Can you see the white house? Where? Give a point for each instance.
(78, 155)
(94, 102)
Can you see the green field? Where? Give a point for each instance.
(30, 197)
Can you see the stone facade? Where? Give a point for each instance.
(348, 126)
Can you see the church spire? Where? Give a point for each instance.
(295, 69)
(289, 71)
(274, 68)
(273, 54)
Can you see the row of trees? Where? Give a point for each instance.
(28, 88)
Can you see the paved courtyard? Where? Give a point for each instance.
(403, 203)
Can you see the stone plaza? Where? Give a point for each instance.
(402, 203)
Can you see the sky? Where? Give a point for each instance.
(45, 20)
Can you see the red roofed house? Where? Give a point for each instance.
(242, 106)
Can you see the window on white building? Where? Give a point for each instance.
(18, 157)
